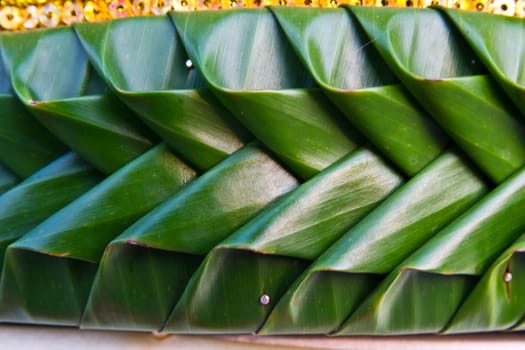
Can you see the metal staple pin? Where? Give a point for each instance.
(264, 299)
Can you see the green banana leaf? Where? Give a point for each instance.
(185, 227)
(260, 80)
(357, 262)
(468, 105)
(26, 145)
(497, 301)
(444, 269)
(75, 109)
(74, 239)
(7, 179)
(30, 202)
(57, 185)
(159, 87)
(496, 40)
(165, 102)
(277, 243)
(246, 247)
(353, 76)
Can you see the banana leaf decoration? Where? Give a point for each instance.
(354, 262)
(496, 303)
(255, 84)
(142, 315)
(128, 304)
(271, 171)
(339, 184)
(7, 179)
(172, 101)
(82, 120)
(277, 244)
(354, 77)
(78, 109)
(50, 176)
(466, 103)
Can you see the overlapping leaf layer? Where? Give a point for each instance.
(273, 171)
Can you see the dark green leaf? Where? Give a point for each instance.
(445, 268)
(469, 106)
(498, 42)
(257, 76)
(156, 85)
(301, 225)
(349, 70)
(374, 247)
(88, 123)
(7, 179)
(26, 145)
(81, 231)
(180, 231)
(40, 195)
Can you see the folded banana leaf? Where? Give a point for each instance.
(344, 99)
(57, 184)
(80, 121)
(353, 76)
(277, 245)
(180, 127)
(444, 269)
(70, 243)
(352, 267)
(497, 301)
(75, 107)
(495, 40)
(40, 195)
(7, 179)
(185, 227)
(261, 81)
(440, 70)
(26, 145)
(159, 87)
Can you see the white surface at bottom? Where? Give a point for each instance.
(56, 338)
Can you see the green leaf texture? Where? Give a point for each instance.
(269, 171)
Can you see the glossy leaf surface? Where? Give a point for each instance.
(372, 248)
(261, 87)
(445, 268)
(343, 99)
(168, 96)
(473, 111)
(40, 195)
(351, 73)
(497, 301)
(297, 228)
(497, 42)
(81, 231)
(180, 231)
(75, 109)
